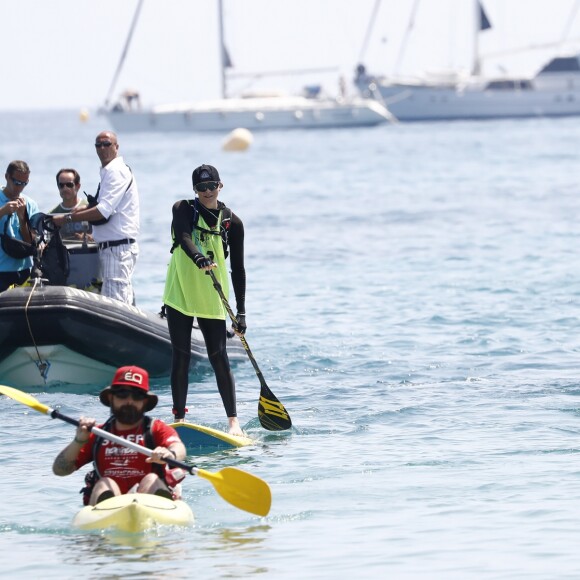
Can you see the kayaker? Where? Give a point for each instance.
(204, 232)
(118, 469)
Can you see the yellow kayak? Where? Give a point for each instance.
(134, 513)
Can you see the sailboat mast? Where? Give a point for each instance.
(124, 53)
(222, 47)
(476, 68)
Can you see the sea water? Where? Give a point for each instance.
(413, 299)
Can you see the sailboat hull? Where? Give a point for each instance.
(432, 103)
(253, 114)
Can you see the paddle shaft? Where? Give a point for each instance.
(268, 401)
(242, 338)
(116, 439)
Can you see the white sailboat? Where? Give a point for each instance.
(253, 112)
(553, 91)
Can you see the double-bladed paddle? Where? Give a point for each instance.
(240, 488)
(271, 412)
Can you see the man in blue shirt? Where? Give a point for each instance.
(16, 209)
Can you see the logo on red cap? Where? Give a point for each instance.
(134, 377)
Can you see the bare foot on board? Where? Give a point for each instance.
(235, 428)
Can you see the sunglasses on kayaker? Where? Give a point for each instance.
(100, 144)
(211, 185)
(69, 184)
(135, 394)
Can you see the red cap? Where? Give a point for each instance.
(131, 376)
(134, 377)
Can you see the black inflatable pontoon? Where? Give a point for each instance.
(66, 335)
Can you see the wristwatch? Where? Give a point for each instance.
(68, 218)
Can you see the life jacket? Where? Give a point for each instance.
(224, 225)
(55, 261)
(93, 476)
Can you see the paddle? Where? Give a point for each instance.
(271, 412)
(240, 488)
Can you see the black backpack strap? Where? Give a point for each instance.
(147, 434)
(93, 200)
(225, 227)
(99, 441)
(150, 444)
(194, 217)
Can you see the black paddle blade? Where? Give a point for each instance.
(271, 413)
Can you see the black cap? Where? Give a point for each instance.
(204, 173)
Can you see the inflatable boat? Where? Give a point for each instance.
(54, 334)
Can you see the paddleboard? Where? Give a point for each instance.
(208, 439)
(134, 513)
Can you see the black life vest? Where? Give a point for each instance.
(224, 225)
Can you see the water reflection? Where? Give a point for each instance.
(234, 539)
(167, 551)
(157, 553)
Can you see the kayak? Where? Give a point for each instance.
(134, 513)
(206, 439)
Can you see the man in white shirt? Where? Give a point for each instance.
(114, 215)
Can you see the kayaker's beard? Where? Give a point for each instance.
(128, 414)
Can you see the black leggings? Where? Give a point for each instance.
(214, 334)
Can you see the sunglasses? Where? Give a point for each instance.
(18, 183)
(211, 185)
(135, 394)
(100, 144)
(69, 184)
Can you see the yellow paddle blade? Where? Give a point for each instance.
(240, 488)
(24, 398)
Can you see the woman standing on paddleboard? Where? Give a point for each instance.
(204, 232)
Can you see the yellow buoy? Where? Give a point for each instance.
(238, 140)
(84, 115)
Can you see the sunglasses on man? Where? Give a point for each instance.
(63, 184)
(18, 183)
(211, 185)
(135, 394)
(100, 144)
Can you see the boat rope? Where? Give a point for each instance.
(42, 365)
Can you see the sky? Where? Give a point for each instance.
(63, 54)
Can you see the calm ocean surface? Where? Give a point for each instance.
(414, 301)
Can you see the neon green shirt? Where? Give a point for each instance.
(189, 289)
